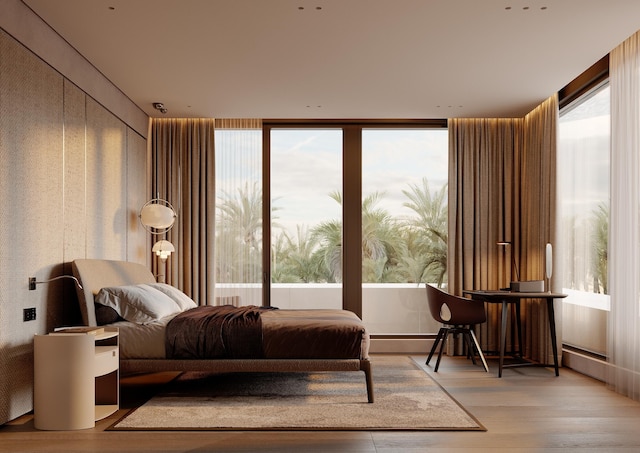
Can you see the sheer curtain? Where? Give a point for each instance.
(502, 188)
(238, 254)
(183, 173)
(623, 338)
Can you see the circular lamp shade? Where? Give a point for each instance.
(163, 249)
(157, 216)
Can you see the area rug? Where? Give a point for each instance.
(406, 398)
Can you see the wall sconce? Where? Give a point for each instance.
(163, 249)
(33, 282)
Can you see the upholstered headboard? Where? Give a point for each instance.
(96, 274)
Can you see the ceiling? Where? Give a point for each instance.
(400, 59)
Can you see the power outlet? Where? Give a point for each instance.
(29, 314)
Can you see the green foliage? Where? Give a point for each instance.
(239, 236)
(408, 250)
(600, 243)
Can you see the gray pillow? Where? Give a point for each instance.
(138, 303)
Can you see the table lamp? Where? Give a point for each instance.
(514, 266)
(532, 286)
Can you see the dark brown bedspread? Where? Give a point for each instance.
(250, 332)
(220, 332)
(314, 334)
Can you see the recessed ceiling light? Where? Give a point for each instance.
(526, 8)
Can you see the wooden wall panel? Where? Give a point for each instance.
(138, 245)
(106, 184)
(31, 233)
(75, 209)
(72, 178)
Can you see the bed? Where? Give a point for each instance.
(287, 340)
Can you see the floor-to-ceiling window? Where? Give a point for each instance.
(404, 226)
(583, 186)
(367, 193)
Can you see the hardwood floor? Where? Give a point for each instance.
(528, 409)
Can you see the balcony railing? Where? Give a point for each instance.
(387, 308)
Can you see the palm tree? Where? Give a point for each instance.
(242, 214)
(381, 243)
(238, 235)
(413, 250)
(280, 272)
(414, 261)
(329, 253)
(432, 223)
(297, 260)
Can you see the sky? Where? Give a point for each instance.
(584, 156)
(306, 166)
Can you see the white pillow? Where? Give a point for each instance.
(138, 303)
(180, 298)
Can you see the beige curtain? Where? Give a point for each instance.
(502, 187)
(536, 222)
(183, 173)
(482, 155)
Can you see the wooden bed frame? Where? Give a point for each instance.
(96, 274)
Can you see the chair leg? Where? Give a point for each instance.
(467, 339)
(475, 341)
(444, 340)
(435, 344)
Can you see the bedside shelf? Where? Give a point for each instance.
(76, 379)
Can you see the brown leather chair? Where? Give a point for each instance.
(458, 315)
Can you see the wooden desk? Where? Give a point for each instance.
(509, 297)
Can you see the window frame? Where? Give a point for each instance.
(352, 195)
(579, 90)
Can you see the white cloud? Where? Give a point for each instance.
(307, 166)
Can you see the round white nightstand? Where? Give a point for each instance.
(76, 379)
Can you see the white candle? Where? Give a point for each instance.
(549, 261)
